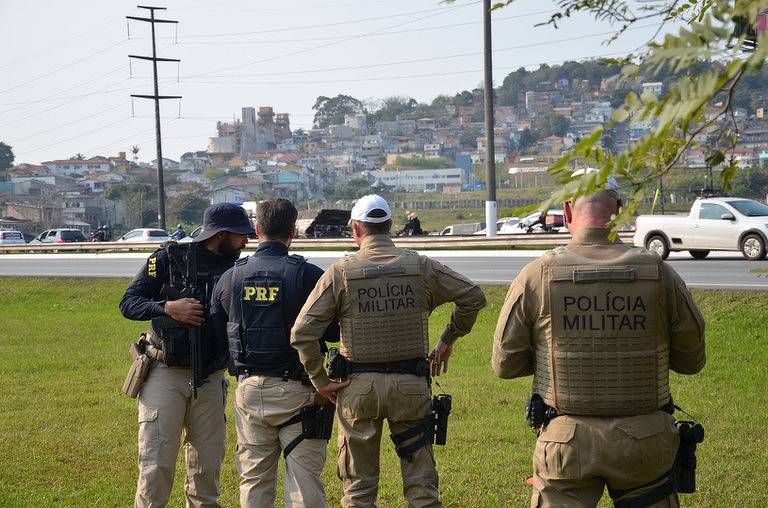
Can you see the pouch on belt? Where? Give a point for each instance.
(139, 369)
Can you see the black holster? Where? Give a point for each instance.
(433, 429)
(316, 423)
(537, 412)
(339, 367)
(691, 434)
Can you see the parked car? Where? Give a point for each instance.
(60, 235)
(145, 235)
(11, 237)
(191, 236)
(462, 229)
(550, 222)
(729, 224)
(504, 226)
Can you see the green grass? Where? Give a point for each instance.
(69, 436)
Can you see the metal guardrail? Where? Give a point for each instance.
(419, 242)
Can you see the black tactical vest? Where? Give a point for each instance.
(267, 295)
(174, 336)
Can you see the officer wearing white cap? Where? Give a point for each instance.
(599, 325)
(382, 297)
(167, 408)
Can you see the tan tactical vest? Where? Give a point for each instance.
(386, 318)
(606, 348)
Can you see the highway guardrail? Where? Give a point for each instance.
(414, 242)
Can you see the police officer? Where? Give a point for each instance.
(255, 304)
(167, 409)
(599, 324)
(382, 296)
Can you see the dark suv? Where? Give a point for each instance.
(60, 236)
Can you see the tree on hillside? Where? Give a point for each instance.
(331, 110)
(469, 137)
(393, 108)
(6, 156)
(526, 139)
(138, 200)
(553, 124)
(442, 101)
(704, 32)
(77, 157)
(213, 174)
(187, 209)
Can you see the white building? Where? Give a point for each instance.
(76, 167)
(420, 180)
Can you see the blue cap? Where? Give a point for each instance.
(225, 217)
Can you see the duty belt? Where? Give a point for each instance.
(416, 367)
(296, 375)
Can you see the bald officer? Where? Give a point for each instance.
(382, 297)
(599, 325)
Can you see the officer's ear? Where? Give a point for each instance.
(568, 212)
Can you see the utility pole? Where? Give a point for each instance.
(157, 98)
(490, 149)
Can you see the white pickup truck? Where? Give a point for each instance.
(734, 224)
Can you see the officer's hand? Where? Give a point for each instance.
(321, 400)
(438, 358)
(185, 310)
(329, 391)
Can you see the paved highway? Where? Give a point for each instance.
(719, 271)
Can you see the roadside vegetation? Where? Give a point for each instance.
(69, 435)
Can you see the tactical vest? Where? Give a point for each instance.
(171, 336)
(266, 298)
(386, 316)
(606, 350)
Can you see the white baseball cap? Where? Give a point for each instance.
(366, 205)
(610, 182)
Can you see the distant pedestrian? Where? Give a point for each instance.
(412, 225)
(179, 233)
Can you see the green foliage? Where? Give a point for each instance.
(675, 119)
(526, 139)
(6, 156)
(213, 174)
(331, 110)
(69, 435)
(349, 189)
(423, 162)
(553, 124)
(138, 200)
(187, 209)
(469, 137)
(394, 108)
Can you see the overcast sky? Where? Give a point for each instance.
(65, 80)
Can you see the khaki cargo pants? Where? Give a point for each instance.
(166, 411)
(263, 403)
(404, 400)
(577, 456)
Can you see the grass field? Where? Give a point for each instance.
(69, 436)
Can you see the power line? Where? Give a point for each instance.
(79, 135)
(81, 35)
(430, 75)
(87, 117)
(121, 89)
(112, 143)
(306, 50)
(32, 80)
(338, 37)
(334, 23)
(48, 110)
(422, 60)
(284, 9)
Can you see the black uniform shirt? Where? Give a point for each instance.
(143, 300)
(222, 293)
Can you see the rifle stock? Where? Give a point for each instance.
(193, 291)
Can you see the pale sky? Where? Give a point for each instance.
(65, 83)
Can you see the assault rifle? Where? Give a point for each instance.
(191, 290)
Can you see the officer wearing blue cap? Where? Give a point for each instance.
(166, 404)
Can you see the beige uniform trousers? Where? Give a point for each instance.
(166, 410)
(262, 404)
(577, 456)
(404, 400)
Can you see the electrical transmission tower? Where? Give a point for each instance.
(157, 98)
